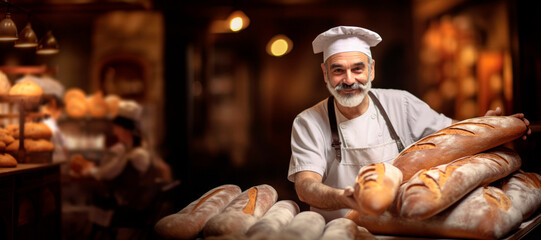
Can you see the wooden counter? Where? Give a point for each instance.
(30, 200)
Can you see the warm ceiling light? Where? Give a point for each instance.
(27, 38)
(238, 21)
(279, 45)
(47, 45)
(8, 29)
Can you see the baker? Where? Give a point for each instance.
(356, 126)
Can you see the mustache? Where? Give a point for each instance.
(353, 86)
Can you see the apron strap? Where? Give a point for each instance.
(394, 136)
(334, 131)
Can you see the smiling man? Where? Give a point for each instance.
(328, 146)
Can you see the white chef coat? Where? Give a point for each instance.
(366, 135)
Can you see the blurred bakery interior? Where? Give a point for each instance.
(220, 82)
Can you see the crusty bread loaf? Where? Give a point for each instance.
(343, 229)
(35, 130)
(5, 136)
(7, 160)
(26, 88)
(431, 191)
(462, 139)
(76, 104)
(376, 187)
(31, 145)
(524, 189)
(276, 218)
(74, 93)
(188, 222)
(306, 225)
(242, 212)
(485, 213)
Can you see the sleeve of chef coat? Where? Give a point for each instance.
(308, 142)
(422, 120)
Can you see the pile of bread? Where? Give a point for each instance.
(79, 105)
(37, 138)
(459, 182)
(226, 212)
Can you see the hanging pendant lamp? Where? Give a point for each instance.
(27, 38)
(47, 45)
(8, 29)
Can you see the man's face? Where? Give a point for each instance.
(348, 76)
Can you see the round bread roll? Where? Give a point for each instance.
(97, 107)
(6, 160)
(26, 88)
(5, 85)
(76, 108)
(74, 93)
(30, 145)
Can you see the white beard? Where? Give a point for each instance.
(350, 99)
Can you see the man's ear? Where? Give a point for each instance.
(372, 70)
(324, 70)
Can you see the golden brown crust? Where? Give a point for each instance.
(31, 130)
(6, 160)
(31, 145)
(26, 88)
(376, 187)
(432, 190)
(462, 139)
(97, 107)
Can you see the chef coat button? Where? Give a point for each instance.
(373, 116)
(379, 134)
(342, 126)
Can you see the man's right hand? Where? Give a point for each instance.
(312, 191)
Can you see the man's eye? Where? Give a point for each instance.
(338, 71)
(358, 69)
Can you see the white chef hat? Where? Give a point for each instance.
(129, 109)
(345, 39)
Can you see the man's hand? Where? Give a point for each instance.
(498, 112)
(311, 190)
(349, 199)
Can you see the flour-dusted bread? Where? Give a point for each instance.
(462, 139)
(485, 213)
(242, 212)
(376, 187)
(188, 222)
(276, 218)
(345, 229)
(524, 189)
(307, 225)
(431, 191)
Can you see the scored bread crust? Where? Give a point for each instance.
(243, 211)
(275, 219)
(431, 191)
(485, 213)
(376, 187)
(188, 222)
(461, 139)
(524, 189)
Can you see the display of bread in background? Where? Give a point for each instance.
(78, 164)
(34, 130)
(26, 88)
(6, 161)
(80, 104)
(461, 139)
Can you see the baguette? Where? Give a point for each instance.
(306, 225)
(431, 191)
(524, 189)
(278, 216)
(376, 187)
(242, 212)
(485, 213)
(343, 228)
(462, 139)
(188, 222)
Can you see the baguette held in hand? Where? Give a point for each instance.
(431, 191)
(376, 187)
(485, 213)
(461, 139)
(188, 222)
(242, 212)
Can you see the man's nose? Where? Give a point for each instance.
(350, 78)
